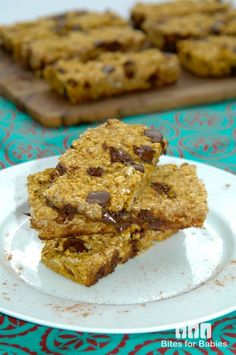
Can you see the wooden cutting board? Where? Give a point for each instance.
(34, 96)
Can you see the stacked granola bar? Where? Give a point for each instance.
(106, 200)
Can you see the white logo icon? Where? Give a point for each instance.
(196, 331)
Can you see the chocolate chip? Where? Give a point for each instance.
(76, 244)
(138, 167)
(105, 146)
(112, 46)
(161, 188)
(95, 171)
(121, 219)
(72, 82)
(152, 79)
(146, 217)
(68, 211)
(61, 169)
(100, 197)
(137, 19)
(233, 69)
(134, 248)
(155, 135)
(216, 28)
(108, 69)
(144, 152)
(87, 85)
(129, 69)
(120, 156)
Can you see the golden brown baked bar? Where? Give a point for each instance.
(86, 259)
(16, 36)
(177, 200)
(213, 56)
(84, 46)
(52, 223)
(164, 33)
(106, 168)
(112, 74)
(142, 11)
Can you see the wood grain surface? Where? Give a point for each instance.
(34, 96)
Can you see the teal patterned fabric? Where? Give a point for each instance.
(203, 133)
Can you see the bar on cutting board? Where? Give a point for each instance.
(213, 56)
(112, 74)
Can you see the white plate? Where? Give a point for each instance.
(186, 279)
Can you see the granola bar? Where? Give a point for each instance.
(142, 11)
(112, 74)
(52, 223)
(86, 259)
(84, 46)
(166, 32)
(105, 169)
(20, 34)
(175, 198)
(172, 205)
(213, 56)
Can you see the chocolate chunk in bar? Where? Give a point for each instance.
(121, 220)
(87, 85)
(138, 167)
(95, 171)
(233, 69)
(146, 217)
(144, 152)
(155, 135)
(76, 244)
(161, 188)
(100, 197)
(112, 46)
(61, 169)
(118, 155)
(152, 79)
(129, 69)
(68, 211)
(216, 27)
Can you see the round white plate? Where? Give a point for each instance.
(186, 279)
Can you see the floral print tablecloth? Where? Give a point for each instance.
(203, 133)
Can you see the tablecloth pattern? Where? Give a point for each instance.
(203, 133)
